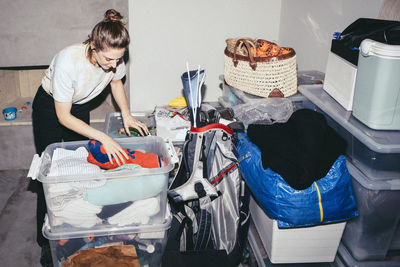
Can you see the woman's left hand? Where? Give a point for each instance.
(130, 121)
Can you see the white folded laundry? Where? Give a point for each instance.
(78, 213)
(55, 189)
(71, 162)
(139, 212)
(81, 222)
(59, 202)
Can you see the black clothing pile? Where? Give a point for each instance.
(302, 150)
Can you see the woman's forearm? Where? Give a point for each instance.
(65, 117)
(117, 89)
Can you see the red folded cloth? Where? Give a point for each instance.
(97, 155)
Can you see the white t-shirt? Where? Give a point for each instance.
(72, 78)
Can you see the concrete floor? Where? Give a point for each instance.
(17, 220)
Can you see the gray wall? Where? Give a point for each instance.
(308, 25)
(33, 31)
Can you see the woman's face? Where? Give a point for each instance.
(108, 59)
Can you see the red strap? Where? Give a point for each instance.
(211, 127)
(232, 166)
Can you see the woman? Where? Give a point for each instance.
(76, 75)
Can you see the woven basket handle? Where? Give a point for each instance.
(252, 62)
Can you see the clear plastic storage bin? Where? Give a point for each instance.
(146, 241)
(373, 234)
(375, 152)
(82, 198)
(310, 77)
(233, 97)
(114, 122)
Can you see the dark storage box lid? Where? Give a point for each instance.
(347, 43)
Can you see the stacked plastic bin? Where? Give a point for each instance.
(234, 98)
(373, 161)
(101, 208)
(113, 122)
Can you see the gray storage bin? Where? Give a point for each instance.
(371, 235)
(375, 153)
(344, 259)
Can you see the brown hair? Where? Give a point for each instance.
(108, 33)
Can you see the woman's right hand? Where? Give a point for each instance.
(114, 150)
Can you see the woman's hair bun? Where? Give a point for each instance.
(112, 15)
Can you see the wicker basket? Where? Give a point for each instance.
(262, 76)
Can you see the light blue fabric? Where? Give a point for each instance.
(126, 189)
(295, 208)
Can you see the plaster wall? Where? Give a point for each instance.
(167, 34)
(308, 26)
(32, 32)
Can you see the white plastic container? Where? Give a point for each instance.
(103, 199)
(340, 78)
(377, 89)
(296, 245)
(149, 241)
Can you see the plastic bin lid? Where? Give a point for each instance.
(370, 184)
(112, 230)
(249, 98)
(377, 140)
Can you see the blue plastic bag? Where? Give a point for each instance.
(329, 199)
